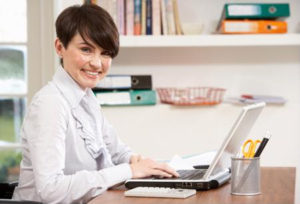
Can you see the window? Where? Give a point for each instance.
(13, 81)
(13, 67)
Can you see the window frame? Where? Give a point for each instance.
(21, 47)
(41, 36)
(41, 58)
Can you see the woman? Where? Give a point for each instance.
(71, 153)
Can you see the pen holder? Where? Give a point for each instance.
(245, 176)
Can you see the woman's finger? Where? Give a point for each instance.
(166, 168)
(160, 173)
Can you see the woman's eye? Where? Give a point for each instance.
(86, 49)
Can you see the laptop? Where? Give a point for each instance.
(218, 172)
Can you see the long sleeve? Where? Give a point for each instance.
(46, 127)
(120, 152)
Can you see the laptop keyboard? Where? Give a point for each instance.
(192, 174)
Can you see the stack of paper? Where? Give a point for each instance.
(189, 162)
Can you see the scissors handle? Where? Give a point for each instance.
(246, 153)
(251, 149)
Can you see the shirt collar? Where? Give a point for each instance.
(69, 87)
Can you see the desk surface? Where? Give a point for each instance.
(277, 186)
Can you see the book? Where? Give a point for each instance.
(178, 29)
(111, 7)
(113, 10)
(143, 17)
(90, 1)
(137, 17)
(156, 17)
(127, 98)
(119, 82)
(148, 17)
(170, 17)
(164, 21)
(252, 26)
(129, 17)
(121, 16)
(255, 10)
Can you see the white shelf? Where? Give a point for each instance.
(214, 40)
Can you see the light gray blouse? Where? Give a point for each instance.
(71, 153)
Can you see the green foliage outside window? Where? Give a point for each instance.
(10, 119)
(9, 165)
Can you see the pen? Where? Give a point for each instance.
(263, 144)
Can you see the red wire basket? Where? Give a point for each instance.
(191, 96)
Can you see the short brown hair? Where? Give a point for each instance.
(91, 22)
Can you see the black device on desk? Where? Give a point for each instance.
(218, 172)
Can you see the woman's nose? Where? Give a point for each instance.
(96, 62)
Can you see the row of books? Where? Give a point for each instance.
(252, 18)
(123, 90)
(143, 17)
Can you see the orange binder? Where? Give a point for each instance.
(252, 26)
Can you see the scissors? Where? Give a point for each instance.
(251, 148)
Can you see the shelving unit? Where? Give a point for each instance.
(211, 40)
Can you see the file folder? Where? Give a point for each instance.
(252, 26)
(126, 98)
(255, 10)
(136, 82)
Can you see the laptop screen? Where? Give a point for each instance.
(236, 136)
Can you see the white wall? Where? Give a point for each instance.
(239, 70)
(161, 131)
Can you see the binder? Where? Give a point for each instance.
(252, 26)
(115, 82)
(126, 98)
(255, 10)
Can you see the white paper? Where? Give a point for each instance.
(188, 162)
(115, 82)
(201, 159)
(178, 163)
(113, 98)
(246, 10)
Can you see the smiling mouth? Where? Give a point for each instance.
(91, 73)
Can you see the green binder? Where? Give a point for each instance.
(255, 11)
(126, 98)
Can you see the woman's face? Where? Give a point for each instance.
(86, 62)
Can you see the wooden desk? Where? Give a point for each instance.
(277, 186)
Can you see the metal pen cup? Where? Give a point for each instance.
(245, 176)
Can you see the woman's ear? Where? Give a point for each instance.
(59, 48)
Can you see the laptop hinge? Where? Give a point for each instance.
(221, 173)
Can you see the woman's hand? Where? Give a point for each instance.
(148, 167)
